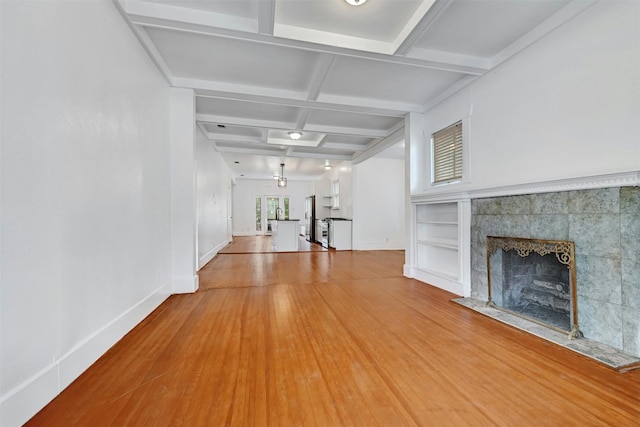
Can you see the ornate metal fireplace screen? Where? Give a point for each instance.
(534, 279)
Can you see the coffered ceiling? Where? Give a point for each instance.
(343, 75)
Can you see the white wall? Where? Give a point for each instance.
(379, 204)
(244, 201)
(568, 106)
(343, 173)
(85, 244)
(214, 195)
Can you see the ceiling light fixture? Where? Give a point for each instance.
(355, 2)
(276, 175)
(327, 165)
(295, 135)
(282, 181)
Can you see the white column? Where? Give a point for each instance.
(183, 191)
(414, 143)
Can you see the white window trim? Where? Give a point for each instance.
(466, 134)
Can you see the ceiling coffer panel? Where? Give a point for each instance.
(503, 22)
(351, 120)
(234, 62)
(385, 82)
(246, 112)
(221, 130)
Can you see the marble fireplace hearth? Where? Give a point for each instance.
(605, 354)
(604, 225)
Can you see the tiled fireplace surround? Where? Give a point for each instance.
(605, 226)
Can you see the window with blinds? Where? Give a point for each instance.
(447, 154)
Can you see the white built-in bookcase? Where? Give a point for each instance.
(441, 244)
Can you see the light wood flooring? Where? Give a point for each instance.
(335, 339)
(262, 244)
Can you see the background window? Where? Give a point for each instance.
(446, 149)
(335, 194)
(259, 213)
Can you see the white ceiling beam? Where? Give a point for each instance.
(343, 130)
(207, 88)
(556, 20)
(283, 153)
(344, 147)
(146, 43)
(320, 155)
(303, 115)
(185, 15)
(323, 141)
(242, 121)
(238, 90)
(428, 54)
(379, 146)
(335, 99)
(204, 130)
(266, 16)
(319, 76)
(434, 12)
(276, 151)
(151, 17)
(459, 85)
(235, 138)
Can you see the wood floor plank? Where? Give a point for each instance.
(331, 339)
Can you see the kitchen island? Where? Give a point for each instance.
(284, 235)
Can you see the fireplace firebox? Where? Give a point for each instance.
(534, 279)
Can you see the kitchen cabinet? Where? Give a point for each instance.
(340, 234)
(319, 231)
(284, 235)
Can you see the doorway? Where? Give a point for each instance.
(268, 208)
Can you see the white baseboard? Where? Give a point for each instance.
(434, 279)
(213, 252)
(379, 246)
(20, 404)
(184, 285)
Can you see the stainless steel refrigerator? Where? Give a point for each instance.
(310, 218)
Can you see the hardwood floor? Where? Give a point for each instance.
(331, 339)
(262, 244)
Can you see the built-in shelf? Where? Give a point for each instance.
(437, 239)
(455, 223)
(441, 239)
(441, 243)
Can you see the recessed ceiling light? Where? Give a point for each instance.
(295, 135)
(327, 165)
(355, 2)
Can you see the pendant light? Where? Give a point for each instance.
(282, 181)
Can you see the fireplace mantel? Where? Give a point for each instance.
(445, 194)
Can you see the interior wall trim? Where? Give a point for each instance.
(623, 179)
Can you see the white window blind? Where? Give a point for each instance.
(447, 154)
